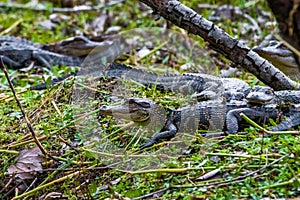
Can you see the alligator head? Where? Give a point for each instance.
(77, 46)
(281, 57)
(260, 95)
(140, 110)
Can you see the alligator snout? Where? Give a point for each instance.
(105, 110)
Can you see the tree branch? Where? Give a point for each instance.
(222, 42)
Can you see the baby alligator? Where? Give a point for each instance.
(201, 86)
(281, 57)
(18, 53)
(77, 46)
(201, 116)
(266, 95)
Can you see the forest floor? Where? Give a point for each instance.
(98, 157)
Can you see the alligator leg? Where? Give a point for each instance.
(11, 63)
(169, 133)
(41, 58)
(233, 117)
(213, 90)
(204, 95)
(291, 121)
(49, 59)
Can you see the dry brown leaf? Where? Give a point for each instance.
(28, 163)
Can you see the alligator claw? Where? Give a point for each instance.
(146, 145)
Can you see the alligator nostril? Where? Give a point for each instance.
(105, 110)
(104, 107)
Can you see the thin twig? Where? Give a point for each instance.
(50, 184)
(285, 183)
(214, 184)
(9, 29)
(242, 155)
(6, 151)
(247, 119)
(288, 45)
(17, 144)
(68, 144)
(30, 186)
(2, 66)
(82, 170)
(7, 184)
(239, 178)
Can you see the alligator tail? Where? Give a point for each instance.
(184, 84)
(43, 86)
(291, 121)
(115, 70)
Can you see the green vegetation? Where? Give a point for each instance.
(97, 157)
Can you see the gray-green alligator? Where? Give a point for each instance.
(18, 53)
(201, 86)
(281, 57)
(206, 114)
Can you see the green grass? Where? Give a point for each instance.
(81, 138)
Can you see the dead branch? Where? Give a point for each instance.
(188, 19)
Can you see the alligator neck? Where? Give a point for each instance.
(69, 60)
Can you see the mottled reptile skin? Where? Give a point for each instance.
(281, 57)
(19, 53)
(213, 115)
(200, 86)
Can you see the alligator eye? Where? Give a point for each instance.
(131, 101)
(269, 92)
(143, 104)
(273, 43)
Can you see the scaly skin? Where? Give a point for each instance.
(20, 41)
(266, 95)
(19, 53)
(204, 115)
(200, 86)
(77, 46)
(281, 57)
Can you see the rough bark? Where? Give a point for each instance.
(222, 42)
(287, 14)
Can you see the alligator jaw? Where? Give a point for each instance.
(134, 109)
(278, 56)
(116, 111)
(282, 58)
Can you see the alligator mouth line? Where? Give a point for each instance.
(118, 111)
(258, 101)
(125, 112)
